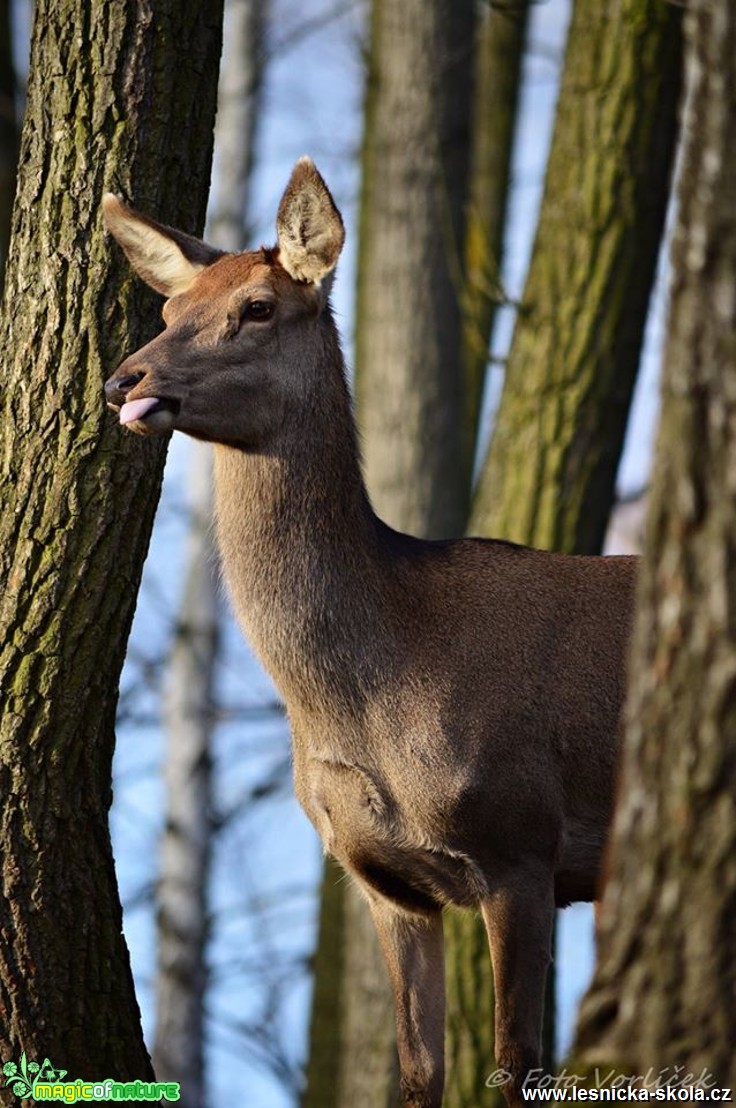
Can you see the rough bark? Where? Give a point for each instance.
(119, 96)
(182, 916)
(664, 993)
(499, 51)
(550, 472)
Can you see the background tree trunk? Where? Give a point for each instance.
(499, 53)
(470, 1005)
(409, 379)
(238, 114)
(549, 477)
(123, 100)
(664, 993)
(182, 917)
(325, 1031)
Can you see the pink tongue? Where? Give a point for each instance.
(136, 409)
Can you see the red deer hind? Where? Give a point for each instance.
(454, 706)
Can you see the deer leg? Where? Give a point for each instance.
(519, 917)
(413, 949)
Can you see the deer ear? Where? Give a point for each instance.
(166, 259)
(310, 228)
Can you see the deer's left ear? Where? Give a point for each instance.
(310, 228)
(166, 259)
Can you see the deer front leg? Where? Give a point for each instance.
(413, 949)
(519, 917)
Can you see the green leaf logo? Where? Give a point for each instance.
(20, 1081)
(22, 1077)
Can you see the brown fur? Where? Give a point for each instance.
(454, 705)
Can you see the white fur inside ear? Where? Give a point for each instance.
(309, 226)
(153, 255)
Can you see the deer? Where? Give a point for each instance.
(454, 705)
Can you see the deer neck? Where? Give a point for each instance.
(300, 551)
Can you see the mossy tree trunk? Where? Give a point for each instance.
(549, 476)
(120, 96)
(664, 993)
(551, 468)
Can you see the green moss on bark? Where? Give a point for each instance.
(124, 100)
(549, 476)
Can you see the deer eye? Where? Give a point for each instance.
(259, 309)
(239, 313)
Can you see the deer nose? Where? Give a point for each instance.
(116, 388)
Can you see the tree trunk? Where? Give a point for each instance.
(499, 53)
(238, 114)
(124, 100)
(470, 1002)
(325, 1032)
(551, 468)
(408, 335)
(549, 477)
(664, 994)
(182, 918)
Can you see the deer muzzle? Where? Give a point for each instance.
(117, 387)
(149, 413)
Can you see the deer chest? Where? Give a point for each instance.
(377, 838)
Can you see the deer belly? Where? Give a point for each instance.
(578, 869)
(362, 825)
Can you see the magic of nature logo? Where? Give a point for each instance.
(42, 1081)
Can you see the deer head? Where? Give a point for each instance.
(241, 329)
